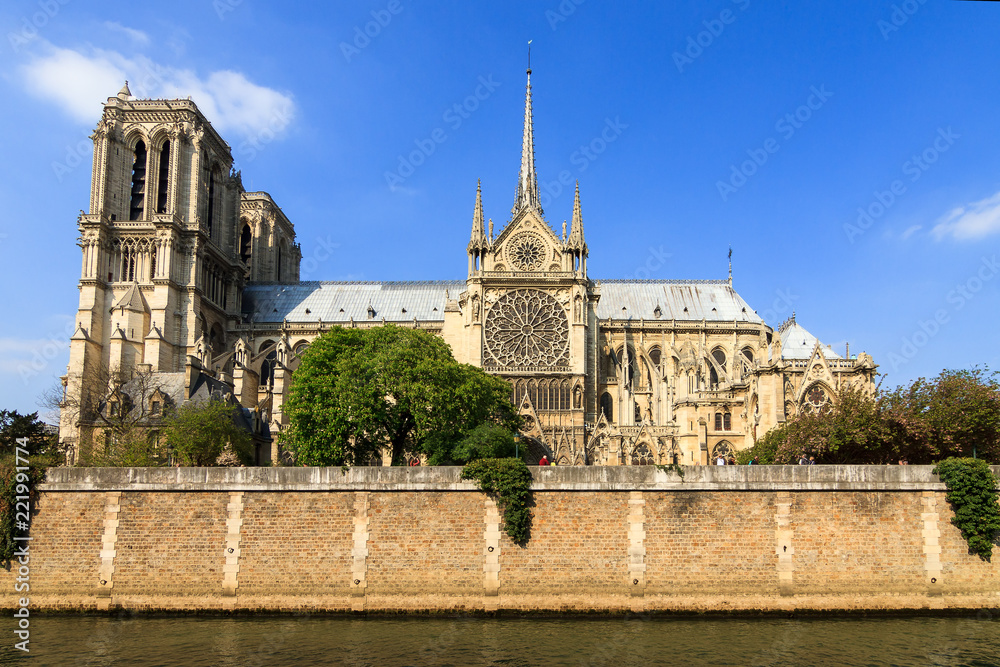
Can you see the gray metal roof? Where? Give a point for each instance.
(712, 300)
(797, 343)
(341, 301)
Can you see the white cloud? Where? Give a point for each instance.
(80, 81)
(972, 221)
(76, 83)
(137, 36)
(910, 231)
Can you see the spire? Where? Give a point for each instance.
(576, 226)
(527, 182)
(124, 93)
(730, 266)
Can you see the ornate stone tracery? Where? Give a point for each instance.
(528, 329)
(526, 252)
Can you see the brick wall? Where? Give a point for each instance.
(296, 543)
(578, 545)
(425, 543)
(170, 543)
(710, 543)
(400, 540)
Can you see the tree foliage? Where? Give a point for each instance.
(14, 426)
(972, 492)
(486, 441)
(955, 414)
(38, 450)
(207, 434)
(358, 391)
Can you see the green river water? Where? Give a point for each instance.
(968, 639)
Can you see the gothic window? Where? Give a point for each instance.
(127, 269)
(654, 356)
(246, 241)
(720, 358)
(723, 449)
(137, 201)
(727, 422)
(212, 205)
(747, 361)
(718, 421)
(281, 252)
(527, 329)
(267, 370)
(607, 406)
(817, 399)
(641, 456)
(164, 178)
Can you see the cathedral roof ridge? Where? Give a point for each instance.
(658, 281)
(315, 283)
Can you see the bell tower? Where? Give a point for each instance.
(161, 275)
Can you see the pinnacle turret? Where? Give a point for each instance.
(478, 238)
(576, 227)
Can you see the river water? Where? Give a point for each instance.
(193, 641)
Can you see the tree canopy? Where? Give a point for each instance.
(956, 414)
(358, 391)
(206, 434)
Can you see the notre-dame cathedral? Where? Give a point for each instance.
(194, 282)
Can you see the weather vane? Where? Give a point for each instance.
(529, 55)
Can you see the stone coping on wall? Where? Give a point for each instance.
(448, 478)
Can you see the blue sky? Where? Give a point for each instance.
(848, 154)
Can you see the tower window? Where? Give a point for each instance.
(138, 200)
(164, 179)
(727, 422)
(210, 217)
(718, 421)
(607, 406)
(246, 244)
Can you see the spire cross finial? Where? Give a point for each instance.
(529, 56)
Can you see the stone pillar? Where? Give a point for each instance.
(359, 569)
(932, 547)
(637, 548)
(783, 534)
(105, 575)
(491, 556)
(234, 524)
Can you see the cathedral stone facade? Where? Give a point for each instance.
(192, 282)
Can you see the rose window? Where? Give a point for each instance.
(816, 399)
(526, 252)
(527, 329)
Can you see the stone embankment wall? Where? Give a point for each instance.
(621, 539)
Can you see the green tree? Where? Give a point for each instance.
(486, 441)
(200, 433)
(14, 426)
(359, 390)
(851, 430)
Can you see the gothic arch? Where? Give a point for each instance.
(723, 448)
